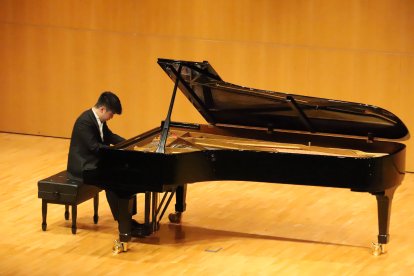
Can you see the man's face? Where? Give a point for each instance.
(106, 114)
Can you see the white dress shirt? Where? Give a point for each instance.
(100, 124)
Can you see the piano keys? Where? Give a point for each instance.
(255, 135)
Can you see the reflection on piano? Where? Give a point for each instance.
(254, 135)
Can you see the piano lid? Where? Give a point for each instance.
(221, 102)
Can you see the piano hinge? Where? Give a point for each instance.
(183, 125)
(370, 138)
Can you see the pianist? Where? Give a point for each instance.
(90, 134)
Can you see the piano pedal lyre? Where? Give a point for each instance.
(119, 247)
(378, 248)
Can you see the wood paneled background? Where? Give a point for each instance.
(58, 56)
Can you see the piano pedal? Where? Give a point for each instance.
(175, 217)
(119, 247)
(377, 248)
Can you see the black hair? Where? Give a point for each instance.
(110, 101)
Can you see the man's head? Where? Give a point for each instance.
(108, 104)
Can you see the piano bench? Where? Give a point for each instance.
(59, 189)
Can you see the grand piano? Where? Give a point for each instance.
(253, 135)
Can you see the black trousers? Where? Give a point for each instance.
(115, 203)
(123, 206)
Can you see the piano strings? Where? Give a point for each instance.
(187, 141)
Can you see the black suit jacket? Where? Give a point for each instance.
(86, 143)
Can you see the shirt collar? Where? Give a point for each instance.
(100, 124)
(97, 117)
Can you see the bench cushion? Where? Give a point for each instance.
(61, 189)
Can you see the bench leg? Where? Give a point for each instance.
(44, 214)
(66, 211)
(95, 208)
(74, 215)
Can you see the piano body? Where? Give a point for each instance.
(254, 135)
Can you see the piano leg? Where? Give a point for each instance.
(124, 226)
(384, 201)
(180, 205)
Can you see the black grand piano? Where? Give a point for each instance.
(254, 135)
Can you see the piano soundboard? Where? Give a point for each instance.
(185, 141)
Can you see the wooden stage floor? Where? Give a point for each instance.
(229, 228)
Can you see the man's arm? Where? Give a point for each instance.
(111, 137)
(87, 133)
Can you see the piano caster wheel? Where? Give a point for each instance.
(95, 219)
(378, 249)
(66, 215)
(175, 217)
(44, 226)
(119, 247)
(74, 230)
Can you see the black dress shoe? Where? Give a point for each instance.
(138, 232)
(136, 224)
(137, 229)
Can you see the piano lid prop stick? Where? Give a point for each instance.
(302, 116)
(166, 125)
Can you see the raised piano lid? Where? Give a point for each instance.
(220, 102)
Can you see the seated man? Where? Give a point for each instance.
(90, 134)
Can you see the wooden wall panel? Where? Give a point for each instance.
(370, 25)
(405, 100)
(105, 15)
(379, 25)
(57, 56)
